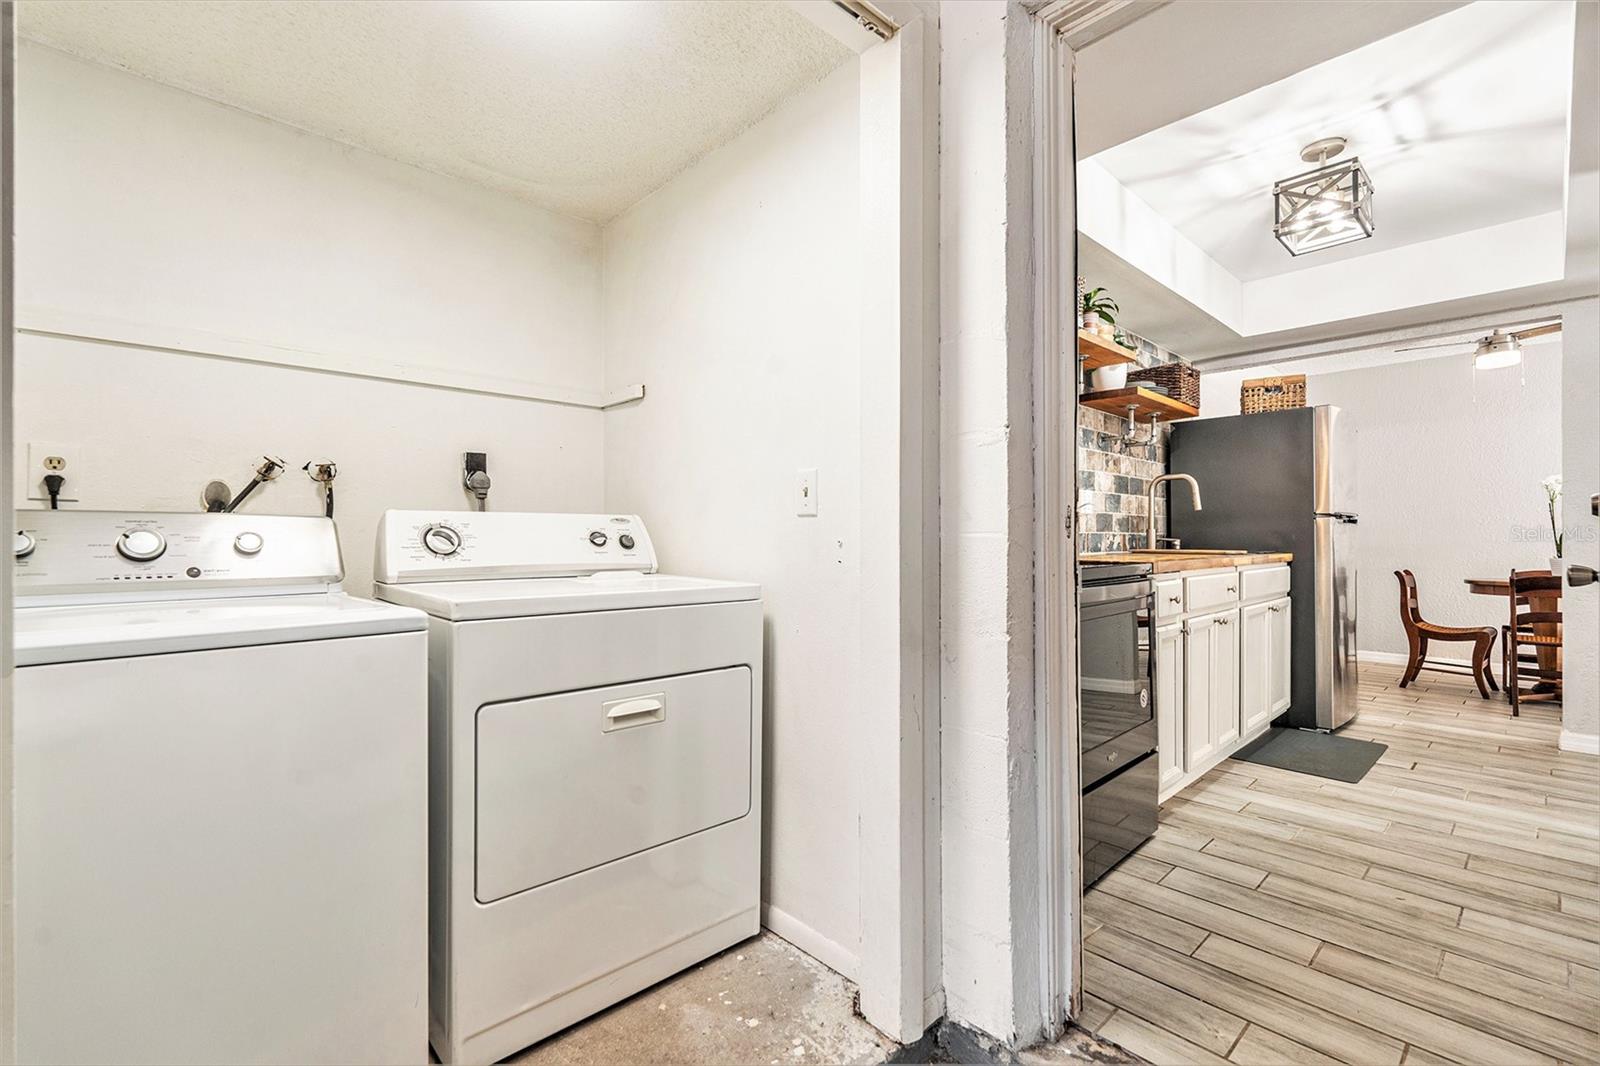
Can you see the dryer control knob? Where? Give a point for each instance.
(598, 538)
(22, 546)
(441, 539)
(141, 545)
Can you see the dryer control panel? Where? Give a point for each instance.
(153, 555)
(468, 545)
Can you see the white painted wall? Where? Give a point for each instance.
(1448, 475)
(991, 849)
(733, 293)
(1580, 461)
(147, 204)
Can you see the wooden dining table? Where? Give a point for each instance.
(1549, 654)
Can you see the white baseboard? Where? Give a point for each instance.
(1582, 743)
(1400, 659)
(828, 952)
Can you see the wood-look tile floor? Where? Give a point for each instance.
(1444, 909)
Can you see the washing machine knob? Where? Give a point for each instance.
(441, 539)
(22, 546)
(248, 543)
(626, 542)
(598, 538)
(141, 545)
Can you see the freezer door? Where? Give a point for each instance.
(1335, 652)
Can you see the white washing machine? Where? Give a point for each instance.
(221, 824)
(596, 766)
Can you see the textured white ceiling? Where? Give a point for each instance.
(1461, 122)
(581, 106)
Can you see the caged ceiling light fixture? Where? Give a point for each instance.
(1325, 207)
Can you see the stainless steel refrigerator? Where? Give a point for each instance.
(1285, 481)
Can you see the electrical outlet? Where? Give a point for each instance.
(46, 458)
(805, 492)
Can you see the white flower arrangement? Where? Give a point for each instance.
(1552, 491)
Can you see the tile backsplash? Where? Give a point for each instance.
(1112, 481)
(1114, 475)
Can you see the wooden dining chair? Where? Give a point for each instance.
(1419, 632)
(1535, 624)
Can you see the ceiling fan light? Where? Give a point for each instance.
(1496, 353)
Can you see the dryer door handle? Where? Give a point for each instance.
(638, 710)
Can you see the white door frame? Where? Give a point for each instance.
(8, 67)
(1055, 405)
(897, 843)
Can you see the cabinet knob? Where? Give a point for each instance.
(1174, 599)
(1274, 610)
(1232, 589)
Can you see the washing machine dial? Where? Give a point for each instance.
(141, 545)
(598, 538)
(248, 543)
(441, 540)
(22, 546)
(626, 542)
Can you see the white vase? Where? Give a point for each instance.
(1557, 567)
(1114, 376)
(1091, 321)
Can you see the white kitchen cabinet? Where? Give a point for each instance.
(1169, 703)
(1225, 720)
(1255, 666)
(1221, 668)
(1263, 664)
(1280, 613)
(1211, 686)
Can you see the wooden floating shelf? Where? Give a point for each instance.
(1096, 351)
(1144, 402)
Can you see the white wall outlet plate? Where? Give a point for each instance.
(47, 458)
(805, 492)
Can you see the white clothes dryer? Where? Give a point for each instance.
(595, 766)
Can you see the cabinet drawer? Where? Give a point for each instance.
(1169, 598)
(1267, 583)
(1205, 591)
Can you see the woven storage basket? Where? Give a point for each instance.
(1181, 381)
(1272, 394)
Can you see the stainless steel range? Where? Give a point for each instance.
(1117, 727)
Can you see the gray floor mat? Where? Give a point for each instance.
(1317, 754)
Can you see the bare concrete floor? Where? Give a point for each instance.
(761, 1002)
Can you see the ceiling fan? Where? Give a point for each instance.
(1498, 349)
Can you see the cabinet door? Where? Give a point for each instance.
(1225, 720)
(1199, 674)
(1169, 703)
(1256, 656)
(1278, 615)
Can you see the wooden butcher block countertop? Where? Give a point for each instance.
(1171, 562)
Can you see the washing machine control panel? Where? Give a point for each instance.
(462, 545)
(132, 554)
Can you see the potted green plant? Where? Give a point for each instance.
(1100, 312)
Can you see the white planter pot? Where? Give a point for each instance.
(1109, 377)
(1091, 321)
(1557, 567)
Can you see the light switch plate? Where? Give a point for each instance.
(805, 492)
(48, 458)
